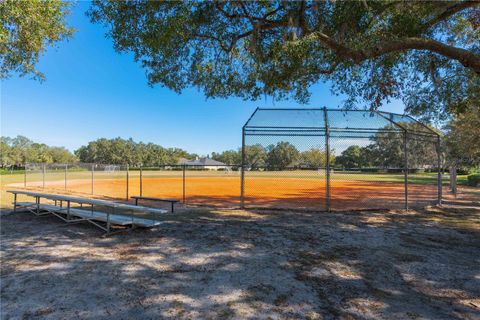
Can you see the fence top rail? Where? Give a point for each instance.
(342, 119)
(175, 165)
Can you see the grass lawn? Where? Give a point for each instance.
(5, 179)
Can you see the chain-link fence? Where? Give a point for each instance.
(199, 185)
(317, 159)
(338, 160)
(82, 178)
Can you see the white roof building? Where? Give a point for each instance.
(203, 163)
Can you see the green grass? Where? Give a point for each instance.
(4, 171)
(5, 179)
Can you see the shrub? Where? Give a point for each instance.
(465, 170)
(11, 171)
(474, 180)
(416, 170)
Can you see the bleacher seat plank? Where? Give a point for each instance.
(121, 214)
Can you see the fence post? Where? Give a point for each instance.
(66, 169)
(242, 172)
(183, 183)
(439, 176)
(453, 180)
(405, 164)
(327, 160)
(127, 182)
(25, 175)
(43, 176)
(141, 181)
(93, 170)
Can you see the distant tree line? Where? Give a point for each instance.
(463, 141)
(384, 150)
(460, 148)
(274, 156)
(122, 151)
(14, 152)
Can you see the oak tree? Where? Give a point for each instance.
(426, 53)
(27, 28)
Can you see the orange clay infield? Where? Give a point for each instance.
(272, 192)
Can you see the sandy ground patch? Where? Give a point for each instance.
(247, 265)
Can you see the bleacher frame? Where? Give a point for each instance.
(101, 213)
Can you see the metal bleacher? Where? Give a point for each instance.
(101, 213)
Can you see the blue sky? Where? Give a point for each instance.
(91, 92)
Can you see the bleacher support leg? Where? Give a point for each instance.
(108, 220)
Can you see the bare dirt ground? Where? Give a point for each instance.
(248, 265)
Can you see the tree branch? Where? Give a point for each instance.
(245, 12)
(301, 18)
(341, 50)
(238, 37)
(246, 15)
(220, 8)
(210, 37)
(450, 11)
(330, 70)
(466, 58)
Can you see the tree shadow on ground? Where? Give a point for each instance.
(246, 264)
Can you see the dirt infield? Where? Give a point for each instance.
(270, 192)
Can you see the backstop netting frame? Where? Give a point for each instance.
(402, 169)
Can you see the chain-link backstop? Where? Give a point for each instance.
(329, 159)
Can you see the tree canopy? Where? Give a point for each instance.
(424, 52)
(280, 155)
(463, 140)
(230, 157)
(122, 151)
(255, 156)
(386, 150)
(19, 150)
(356, 157)
(26, 29)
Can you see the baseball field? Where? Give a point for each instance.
(302, 189)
